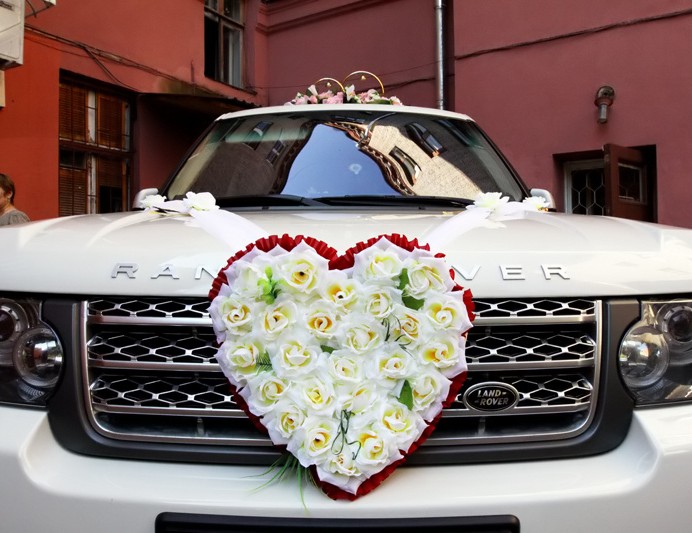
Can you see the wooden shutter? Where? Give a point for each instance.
(73, 113)
(111, 122)
(72, 191)
(110, 183)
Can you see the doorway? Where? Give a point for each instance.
(617, 181)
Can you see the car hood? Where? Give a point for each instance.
(550, 254)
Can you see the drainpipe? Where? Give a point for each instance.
(440, 53)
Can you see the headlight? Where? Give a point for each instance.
(30, 354)
(656, 353)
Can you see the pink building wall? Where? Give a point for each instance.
(394, 39)
(29, 130)
(527, 71)
(536, 100)
(136, 47)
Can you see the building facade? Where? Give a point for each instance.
(586, 99)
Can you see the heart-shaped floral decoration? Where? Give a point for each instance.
(346, 361)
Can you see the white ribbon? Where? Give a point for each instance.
(489, 209)
(234, 230)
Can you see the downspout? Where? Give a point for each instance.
(440, 53)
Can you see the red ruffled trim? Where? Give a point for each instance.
(342, 262)
(267, 244)
(337, 493)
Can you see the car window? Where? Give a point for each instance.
(315, 154)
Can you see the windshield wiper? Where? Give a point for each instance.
(384, 200)
(267, 200)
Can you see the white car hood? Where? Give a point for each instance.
(549, 255)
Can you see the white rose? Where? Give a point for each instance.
(429, 389)
(276, 318)
(295, 354)
(153, 201)
(376, 451)
(247, 278)
(203, 201)
(284, 420)
(446, 353)
(361, 333)
(342, 365)
(404, 426)
(380, 264)
(313, 440)
(263, 391)
(343, 463)
(361, 397)
(340, 289)
(321, 320)
(427, 274)
(240, 357)
(447, 312)
(232, 314)
(490, 200)
(407, 326)
(390, 365)
(379, 301)
(300, 270)
(535, 203)
(315, 393)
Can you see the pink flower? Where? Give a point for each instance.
(337, 98)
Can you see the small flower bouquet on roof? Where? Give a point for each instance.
(345, 95)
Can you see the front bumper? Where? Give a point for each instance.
(638, 487)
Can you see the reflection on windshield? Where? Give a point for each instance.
(322, 153)
(349, 170)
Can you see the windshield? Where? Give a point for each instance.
(319, 154)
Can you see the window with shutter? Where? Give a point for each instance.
(73, 113)
(94, 151)
(72, 189)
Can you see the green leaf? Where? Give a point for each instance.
(265, 288)
(269, 288)
(406, 395)
(403, 279)
(264, 362)
(326, 349)
(412, 303)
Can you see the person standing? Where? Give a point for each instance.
(9, 214)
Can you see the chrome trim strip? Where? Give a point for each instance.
(170, 411)
(214, 367)
(148, 321)
(206, 322)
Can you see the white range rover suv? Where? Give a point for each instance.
(116, 416)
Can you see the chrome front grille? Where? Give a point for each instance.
(150, 373)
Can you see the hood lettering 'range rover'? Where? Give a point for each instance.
(575, 406)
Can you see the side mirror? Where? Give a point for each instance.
(137, 203)
(546, 195)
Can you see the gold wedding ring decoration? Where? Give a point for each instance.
(362, 75)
